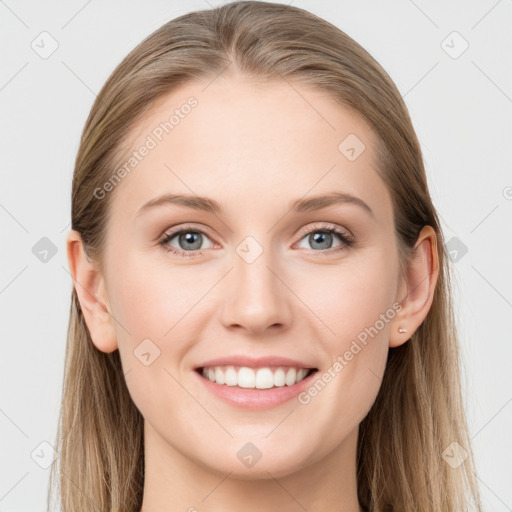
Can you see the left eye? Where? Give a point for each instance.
(324, 238)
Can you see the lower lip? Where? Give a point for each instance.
(256, 398)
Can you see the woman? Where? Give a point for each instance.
(255, 369)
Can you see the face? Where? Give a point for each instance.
(258, 283)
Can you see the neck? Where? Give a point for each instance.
(174, 482)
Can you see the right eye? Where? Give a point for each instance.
(185, 236)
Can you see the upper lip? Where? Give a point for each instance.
(254, 362)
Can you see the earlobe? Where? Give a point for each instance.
(90, 287)
(419, 286)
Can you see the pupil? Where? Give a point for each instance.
(189, 239)
(322, 238)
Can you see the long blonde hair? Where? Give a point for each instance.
(418, 412)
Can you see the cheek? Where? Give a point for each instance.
(352, 296)
(356, 304)
(156, 325)
(150, 299)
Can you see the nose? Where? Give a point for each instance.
(256, 298)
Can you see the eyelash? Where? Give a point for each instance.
(347, 241)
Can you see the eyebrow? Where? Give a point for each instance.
(298, 205)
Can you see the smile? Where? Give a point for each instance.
(255, 387)
(255, 378)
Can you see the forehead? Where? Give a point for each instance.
(246, 141)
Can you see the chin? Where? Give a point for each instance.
(250, 463)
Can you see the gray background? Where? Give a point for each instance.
(461, 106)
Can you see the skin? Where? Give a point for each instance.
(252, 147)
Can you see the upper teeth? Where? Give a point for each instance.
(261, 378)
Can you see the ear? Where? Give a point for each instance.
(416, 291)
(90, 287)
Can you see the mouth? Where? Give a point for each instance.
(261, 378)
(255, 383)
